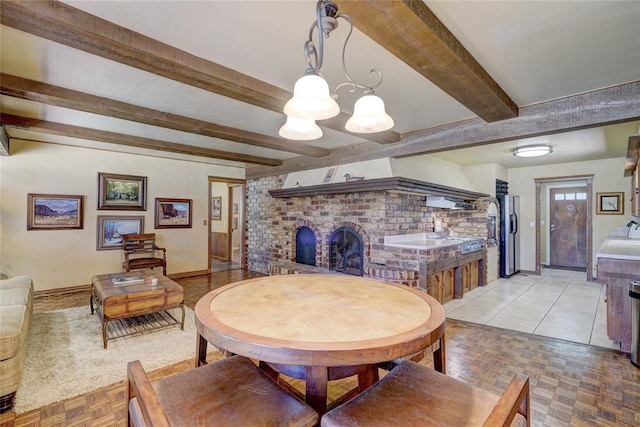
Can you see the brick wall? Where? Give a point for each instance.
(272, 224)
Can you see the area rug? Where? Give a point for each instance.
(66, 357)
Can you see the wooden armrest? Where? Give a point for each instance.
(514, 400)
(140, 388)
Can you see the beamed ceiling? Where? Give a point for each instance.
(207, 80)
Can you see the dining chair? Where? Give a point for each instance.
(229, 392)
(415, 395)
(141, 251)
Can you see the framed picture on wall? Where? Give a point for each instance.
(235, 209)
(54, 212)
(610, 203)
(234, 223)
(328, 175)
(173, 213)
(216, 208)
(122, 192)
(111, 229)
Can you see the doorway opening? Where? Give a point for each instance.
(564, 223)
(226, 223)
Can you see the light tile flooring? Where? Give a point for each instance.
(558, 304)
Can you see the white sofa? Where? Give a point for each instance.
(16, 307)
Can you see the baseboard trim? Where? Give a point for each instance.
(189, 274)
(87, 288)
(61, 291)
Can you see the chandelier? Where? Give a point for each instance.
(312, 100)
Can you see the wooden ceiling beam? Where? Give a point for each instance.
(61, 23)
(37, 125)
(617, 104)
(32, 90)
(414, 34)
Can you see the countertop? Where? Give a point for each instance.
(620, 248)
(420, 241)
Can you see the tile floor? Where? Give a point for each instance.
(558, 304)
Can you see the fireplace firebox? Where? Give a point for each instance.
(305, 246)
(346, 251)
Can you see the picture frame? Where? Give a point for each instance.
(610, 203)
(328, 176)
(55, 212)
(173, 213)
(216, 208)
(112, 227)
(122, 192)
(235, 209)
(234, 223)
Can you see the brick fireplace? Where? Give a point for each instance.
(340, 222)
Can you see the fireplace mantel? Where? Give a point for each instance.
(405, 185)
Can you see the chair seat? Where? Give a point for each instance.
(136, 263)
(414, 395)
(229, 392)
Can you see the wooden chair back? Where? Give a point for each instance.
(141, 252)
(231, 391)
(414, 394)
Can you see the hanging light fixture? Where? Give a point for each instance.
(312, 99)
(300, 129)
(532, 150)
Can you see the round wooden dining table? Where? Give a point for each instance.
(320, 327)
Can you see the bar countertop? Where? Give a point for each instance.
(620, 248)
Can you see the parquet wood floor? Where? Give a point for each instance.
(571, 384)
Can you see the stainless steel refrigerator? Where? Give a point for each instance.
(509, 235)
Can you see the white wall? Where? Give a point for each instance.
(608, 177)
(484, 176)
(431, 169)
(424, 168)
(370, 169)
(64, 258)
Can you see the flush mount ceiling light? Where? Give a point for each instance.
(532, 150)
(312, 99)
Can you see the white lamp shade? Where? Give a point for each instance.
(532, 151)
(311, 99)
(369, 116)
(300, 129)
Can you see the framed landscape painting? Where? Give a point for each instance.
(111, 229)
(122, 192)
(54, 212)
(173, 213)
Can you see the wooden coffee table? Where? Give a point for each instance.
(115, 302)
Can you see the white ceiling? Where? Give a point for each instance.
(590, 144)
(535, 50)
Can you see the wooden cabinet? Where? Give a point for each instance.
(450, 278)
(470, 276)
(616, 274)
(441, 285)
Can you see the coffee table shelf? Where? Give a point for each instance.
(125, 302)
